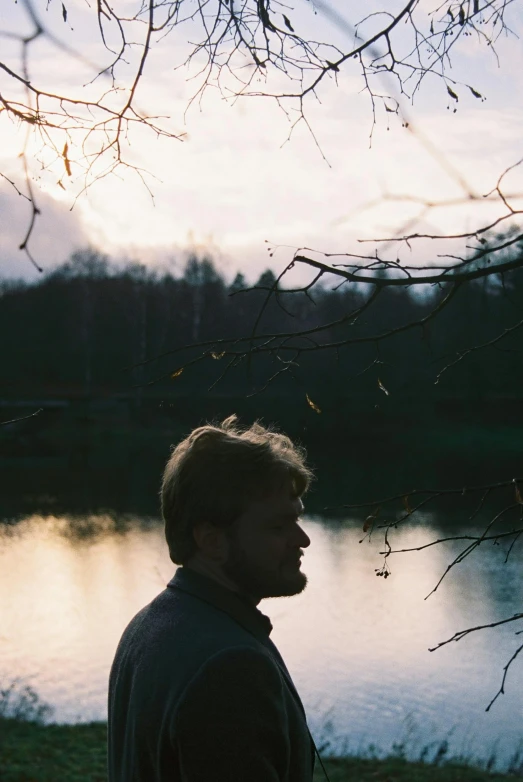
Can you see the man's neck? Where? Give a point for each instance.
(215, 573)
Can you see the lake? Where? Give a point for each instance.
(356, 645)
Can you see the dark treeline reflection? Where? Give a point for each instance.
(73, 333)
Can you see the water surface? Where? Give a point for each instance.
(356, 645)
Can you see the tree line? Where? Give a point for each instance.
(90, 329)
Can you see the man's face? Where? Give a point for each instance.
(265, 547)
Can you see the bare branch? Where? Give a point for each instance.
(463, 633)
(23, 418)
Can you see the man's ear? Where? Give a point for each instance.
(211, 541)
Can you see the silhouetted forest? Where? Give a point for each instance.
(77, 332)
(104, 433)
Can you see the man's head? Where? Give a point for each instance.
(231, 500)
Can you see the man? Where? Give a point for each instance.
(197, 691)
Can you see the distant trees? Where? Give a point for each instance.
(88, 320)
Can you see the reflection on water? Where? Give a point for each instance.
(356, 645)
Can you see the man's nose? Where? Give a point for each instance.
(303, 540)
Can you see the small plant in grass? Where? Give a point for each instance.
(515, 764)
(22, 703)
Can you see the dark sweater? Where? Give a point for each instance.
(199, 693)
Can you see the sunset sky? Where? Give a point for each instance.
(233, 182)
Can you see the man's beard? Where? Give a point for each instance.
(258, 582)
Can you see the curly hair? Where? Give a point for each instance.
(215, 472)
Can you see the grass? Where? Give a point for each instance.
(400, 770)
(33, 752)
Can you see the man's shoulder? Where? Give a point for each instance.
(183, 626)
(174, 639)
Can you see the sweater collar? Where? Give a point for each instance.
(233, 603)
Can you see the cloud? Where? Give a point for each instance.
(234, 182)
(57, 233)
